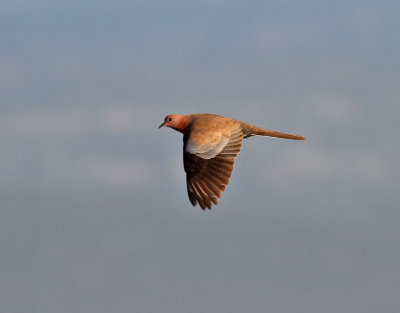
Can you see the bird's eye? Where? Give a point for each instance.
(170, 119)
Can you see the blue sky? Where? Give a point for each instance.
(84, 85)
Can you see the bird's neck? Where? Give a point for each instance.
(183, 124)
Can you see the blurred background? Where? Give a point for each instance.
(94, 215)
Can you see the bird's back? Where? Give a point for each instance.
(203, 122)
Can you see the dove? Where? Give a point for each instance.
(210, 145)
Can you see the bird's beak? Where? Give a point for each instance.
(162, 125)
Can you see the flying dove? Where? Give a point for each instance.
(210, 145)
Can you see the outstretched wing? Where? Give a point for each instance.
(208, 161)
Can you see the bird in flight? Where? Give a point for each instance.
(210, 145)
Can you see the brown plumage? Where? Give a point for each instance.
(210, 145)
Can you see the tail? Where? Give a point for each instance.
(250, 130)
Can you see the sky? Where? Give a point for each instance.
(94, 214)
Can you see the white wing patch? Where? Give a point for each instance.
(207, 151)
(221, 145)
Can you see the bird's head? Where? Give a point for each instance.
(177, 122)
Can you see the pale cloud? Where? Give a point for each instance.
(11, 74)
(365, 21)
(52, 155)
(372, 168)
(298, 165)
(278, 36)
(43, 124)
(332, 108)
(116, 172)
(271, 37)
(124, 118)
(119, 119)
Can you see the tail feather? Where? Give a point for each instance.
(250, 130)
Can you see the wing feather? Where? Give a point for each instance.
(209, 166)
